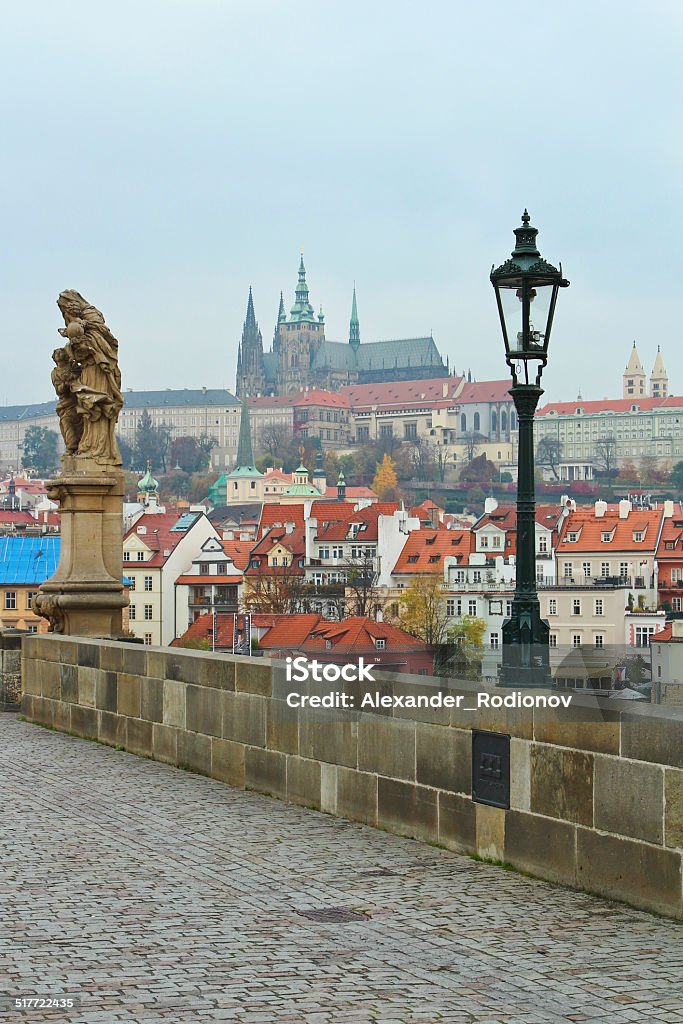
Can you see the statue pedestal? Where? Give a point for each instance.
(85, 597)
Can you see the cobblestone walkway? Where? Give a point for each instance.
(153, 895)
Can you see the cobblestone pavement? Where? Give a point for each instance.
(154, 895)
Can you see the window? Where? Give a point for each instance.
(433, 559)
(323, 552)
(543, 544)
(338, 552)
(148, 582)
(675, 575)
(638, 535)
(643, 634)
(623, 569)
(30, 594)
(453, 606)
(148, 611)
(572, 538)
(567, 571)
(126, 556)
(472, 608)
(273, 560)
(476, 576)
(380, 643)
(599, 640)
(477, 422)
(32, 629)
(463, 422)
(496, 541)
(141, 556)
(552, 606)
(410, 431)
(10, 600)
(576, 640)
(576, 606)
(148, 639)
(553, 639)
(412, 559)
(484, 542)
(676, 603)
(604, 569)
(586, 566)
(508, 608)
(494, 641)
(599, 606)
(203, 568)
(221, 568)
(131, 584)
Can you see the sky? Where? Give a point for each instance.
(161, 156)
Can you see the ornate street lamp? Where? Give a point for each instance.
(526, 288)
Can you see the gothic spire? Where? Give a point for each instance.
(354, 325)
(302, 310)
(245, 454)
(281, 315)
(251, 318)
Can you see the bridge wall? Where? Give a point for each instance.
(596, 797)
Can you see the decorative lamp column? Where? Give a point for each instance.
(526, 288)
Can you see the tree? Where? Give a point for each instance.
(421, 459)
(151, 443)
(126, 452)
(273, 438)
(175, 484)
(471, 442)
(423, 610)
(549, 454)
(649, 470)
(628, 471)
(465, 649)
(207, 443)
(441, 458)
(279, 590)
(385, 482)
(606, 455)
(186, 453)
(40, 450)
(479, 470)
(361, 591)
(676, 477)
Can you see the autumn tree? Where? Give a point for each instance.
(186, 453)
(605, 455)
(423, 610)
(465, 647)
(479, 470)
(549, 454)
(676, 477)
(277, 590)
(40, 450)
(385, 483)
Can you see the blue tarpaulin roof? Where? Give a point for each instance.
(28, 559)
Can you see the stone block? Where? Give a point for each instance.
(164, 743)
(33, 648)
(112, 729)
(61, 716)
(152, 699)
(328, 788)
(182, 666)
(490, 831)
(227, 761)
(43, 710)
(204, 710)
(408, 809)
(444, 757)
(30, 678)
(84, 721)
(111, 658)
(157, 662)
(282, 727)
(134, 659)
(427, 689)
(541, 846)
(88, 655)
(520, 775)
(653, 736)
(252, 675)
(582, 727)
(217, 671)
(68, 676)
(106, 694)
(174, 704)
(265, 771)
(128, 695)
(50, 680)
(625, 869)
(139, 737)
(194, 752)
(629, 798)
(457, 822)
(516, 722)
(673, 820)
(303, 781)
(387, 746)
(356, 796)
(325, 736)
(244, 718)
(87, 686)
(28, 703)
(562, 783)
(65, 651)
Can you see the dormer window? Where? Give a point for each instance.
(380, 643)
(638, 536)
(328, 645)
(433, 559)
(605, 536)
(572, 538)
(412, 559)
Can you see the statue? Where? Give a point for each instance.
(88, 382)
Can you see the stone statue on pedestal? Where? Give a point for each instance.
(85, 596)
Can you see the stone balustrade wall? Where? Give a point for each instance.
(596, 799)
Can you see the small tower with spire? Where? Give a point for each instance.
(635, 381)
(251, 375)
(354, 325)
(245, 482)
(298, 339)
(319, 478)
(659, 378)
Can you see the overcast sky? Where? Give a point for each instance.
(162, 155)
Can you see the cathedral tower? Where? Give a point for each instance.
(251, 376)
(659, 379)
(354, 326)
(299, 339)
(634, 376)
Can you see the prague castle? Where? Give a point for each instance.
(302, 357)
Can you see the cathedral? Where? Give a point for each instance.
(635, 378)
(302, 357)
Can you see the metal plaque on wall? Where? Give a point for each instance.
(491, 768)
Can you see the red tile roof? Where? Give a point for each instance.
(321, 398)
(401, 393)
(589, 529)
(358, 634)
(485, 391)
(352, 493)
(18, 516)
(159, 537)
(238, 551)
(289, 631)
(195, 580)
(610, 405)
(274, 514)
(336, 526)
(425, 550)
(202, 628)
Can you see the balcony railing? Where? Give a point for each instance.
(596, 582)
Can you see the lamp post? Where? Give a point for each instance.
(526, 284)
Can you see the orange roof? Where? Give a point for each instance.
(289, 631)
(320, 397)
(160, 537)
(351, 493)
(610, 405)
(356, 634)
(425, 550)
(238, 551)
(202, 629)
(485, 391)
(196, 580)
(672, 534)
(336, 526)
(402, 392)
(274, 514)
(589, 531)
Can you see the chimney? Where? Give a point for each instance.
(668, 509)
(445, 389)
(676, 629)
(624, 508)
(490, 505)
(289, 527)
(600, 509)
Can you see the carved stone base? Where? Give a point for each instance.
(85, 597)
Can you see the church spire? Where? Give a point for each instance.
(659, 379)
(634, 376)
(251, 376)
(245, 453)
(302, 310)
(281, 315)
(251, 318)
(354, 325)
